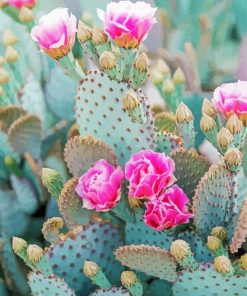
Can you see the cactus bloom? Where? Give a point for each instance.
(20, 3)
(128, 23)
(56, 32)
(100, 186)
(168, 210)
(148, 174)
(231, 98)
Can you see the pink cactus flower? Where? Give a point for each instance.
(56, 32)
(100, 186)
(148, 174)
(128, 23)
(231, 98)
(20, 3)
(168, 210)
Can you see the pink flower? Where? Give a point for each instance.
(20, 3)
(168, 210)
(100, 186)
(128, 23)
(149, 173)
(56, 32)
(231, 98)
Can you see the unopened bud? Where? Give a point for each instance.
(162, 67)
(243, 261)
(3, 3)
(142, 62)
(222, 264)
(178, 76)
(220, 232)
(2, 60)
(224, 137)
(90, 268)
(53, 223)
(84, 32)
(207, 123)
(183, 114)
(130, 101)
(11, 55)
(9, 38)
(168, 86)
(234, 124)
(98, 36)
(18, 244)
(128, 279)
(157, 77)
(205, 22)
(213, 243)
(87, 18)
(4, 76)
(107, 60)
(180, 249)
(26, 15)
(34, 253)
(233, 157)
(208, 108)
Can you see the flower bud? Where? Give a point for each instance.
(9, 38)
(243, 261)
(208, 108)
(130, 101)
(213, 243)
(90, 268)
(233, 157)
(2, 60)
(224, 137)
(183, 114)
(180, 249)
(162, 67)
(53, 223)
(222, 264)
(205, 22)
(220, 232)
(11, 55)
(168, 86)
(142, 62)
(3, 3)
(87, 18)
(128, 279)
(34, 253)
(4, 76)
(207, 123)
(26, 15)
(157, 77)
(234, 124)
(107, 60)
(84, 32)
(18, 244)
(178, 76)
(98, 36)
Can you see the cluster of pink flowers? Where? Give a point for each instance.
(20, 3)
(149, 174)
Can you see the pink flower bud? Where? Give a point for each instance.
(20, 3)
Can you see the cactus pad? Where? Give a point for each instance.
(165, 122)
(151, 260)
(97, 243)
(9, 114)
(70, 205)
(205, 281)
(25, 135)
(167, 142)
(190, 168)
(82, 152)
(101, 114)
(113, 292)
(42, 285)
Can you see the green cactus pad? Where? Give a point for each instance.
(3, 288)
(167, 142)
(157, 288)
(205, 281)
(211, 199)
(100, 113)
(115, 291)
(139, 233)
(165, 122)
(71, 205)
(80, 153)
(25, 135)
(151, 260)
(9, 114)
(97, 243)
(42, 285)
(190, 168)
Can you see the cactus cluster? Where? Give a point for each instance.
(61, 241)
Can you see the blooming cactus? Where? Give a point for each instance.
(20, 3)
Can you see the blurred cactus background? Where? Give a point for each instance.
(100, 101)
